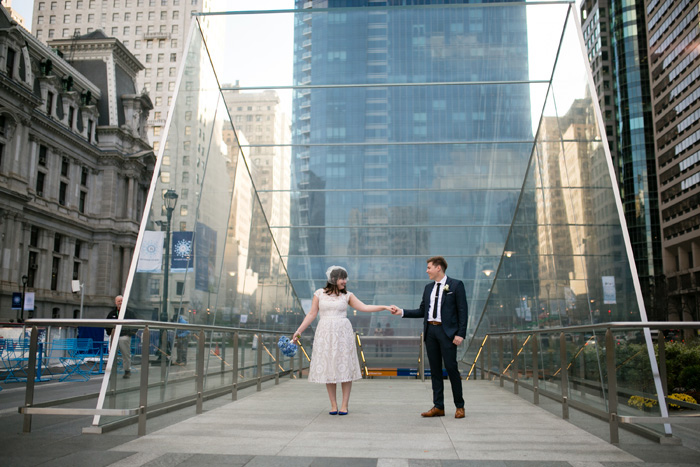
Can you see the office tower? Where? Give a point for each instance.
(672, 31)
(259, 116)
(153, 30)
(399, 127)
(595, 15)
(615, 36)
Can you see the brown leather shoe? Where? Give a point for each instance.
(434, 412)
(460, 412)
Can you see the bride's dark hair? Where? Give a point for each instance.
(331, 287)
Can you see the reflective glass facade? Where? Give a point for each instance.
(635, 132)
(469, 131)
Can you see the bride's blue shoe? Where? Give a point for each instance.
(342, 413)
(335, 412)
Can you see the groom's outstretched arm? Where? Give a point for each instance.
(417, 313)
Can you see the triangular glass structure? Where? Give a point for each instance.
(374, 137)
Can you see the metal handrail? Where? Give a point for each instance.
(139, 414)
(613, 417)
(612, 324)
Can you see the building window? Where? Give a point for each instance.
(154, 286)
(32, 268)
(183, 210)
(89, 131)
(173, 57)
(10, 64)
(71, 116)
(62, 190)
(84, 176)
(82, 201)
(57, 240)
(78, 248)
(56, 312)
(179, 287)
(185, 177)
(55, 268)
(65, 165)
(34, 236)
(40, 180)
(161, 58)
(76, 270)
(183, 226)
(49, 103)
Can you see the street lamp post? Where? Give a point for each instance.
(170, 198)
(24, 290)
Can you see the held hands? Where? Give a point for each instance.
(395, 310)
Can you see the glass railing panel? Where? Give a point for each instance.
(550, 363)
(587, 368)
(636, 391)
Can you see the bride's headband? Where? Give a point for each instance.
(332, 279)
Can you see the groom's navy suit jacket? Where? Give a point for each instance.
(453, 308)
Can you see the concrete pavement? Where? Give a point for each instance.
(289, 425)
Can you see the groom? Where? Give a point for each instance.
(444, 311)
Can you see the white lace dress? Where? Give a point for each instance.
(334, 357)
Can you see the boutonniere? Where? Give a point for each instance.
(446, 288)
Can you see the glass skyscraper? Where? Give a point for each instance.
(404, 120)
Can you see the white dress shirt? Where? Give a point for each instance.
(438, 288)
(441, 286)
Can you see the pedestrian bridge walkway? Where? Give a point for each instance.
(288, 423)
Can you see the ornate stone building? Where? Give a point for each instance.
(75, 166)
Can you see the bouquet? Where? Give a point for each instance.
(287, 347)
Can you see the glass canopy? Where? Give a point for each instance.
(375, 138)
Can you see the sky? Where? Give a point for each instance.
(24, 8)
